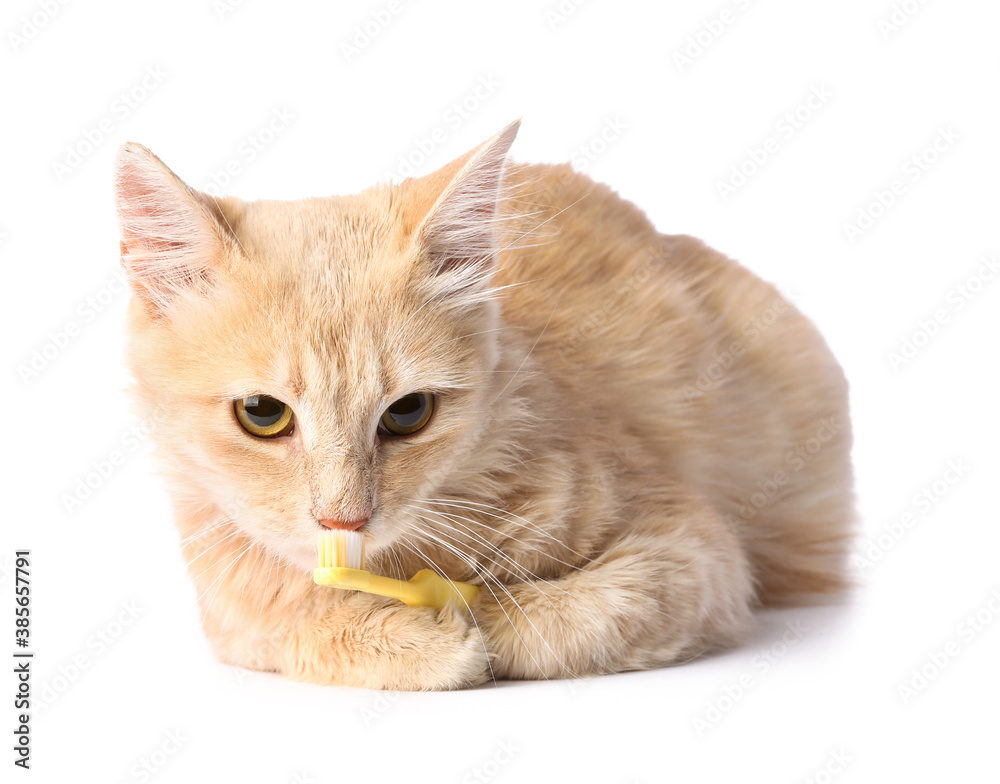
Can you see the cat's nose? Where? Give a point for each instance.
(343, 525)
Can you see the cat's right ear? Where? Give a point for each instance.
(170, 242)
(459, 231)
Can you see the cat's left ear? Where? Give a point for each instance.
(459, 233)
(170, 241)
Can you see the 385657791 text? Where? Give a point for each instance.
(22, 658)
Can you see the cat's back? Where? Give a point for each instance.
(663, 331)
(602, 290)
(571, 247)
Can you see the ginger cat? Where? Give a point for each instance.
(502, 371)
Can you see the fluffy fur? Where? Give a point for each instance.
(635, 442)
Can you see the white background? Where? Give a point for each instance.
(112, 684)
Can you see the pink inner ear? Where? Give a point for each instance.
(169, 241)
(460, 231)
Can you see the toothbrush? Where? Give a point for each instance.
(341, 565)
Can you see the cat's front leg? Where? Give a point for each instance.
(377, 643)
(674, 584)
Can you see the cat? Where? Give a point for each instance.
(498, 370)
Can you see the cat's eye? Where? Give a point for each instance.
(264, 416)
(408, 414)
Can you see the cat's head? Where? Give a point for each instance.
(327, 359)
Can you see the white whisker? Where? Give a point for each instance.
(232, 563)
(403, 541)
(523, 572)
(211, 546)
(503, 588)
(204, 531)
(263, 596)
(485, 509)
(531, 583)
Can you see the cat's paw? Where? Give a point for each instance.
(456, 654)
(382, 644)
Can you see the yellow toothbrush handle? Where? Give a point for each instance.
(425, 589)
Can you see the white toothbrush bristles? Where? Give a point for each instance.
(341, 548)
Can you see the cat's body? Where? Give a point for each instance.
(635, 442)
